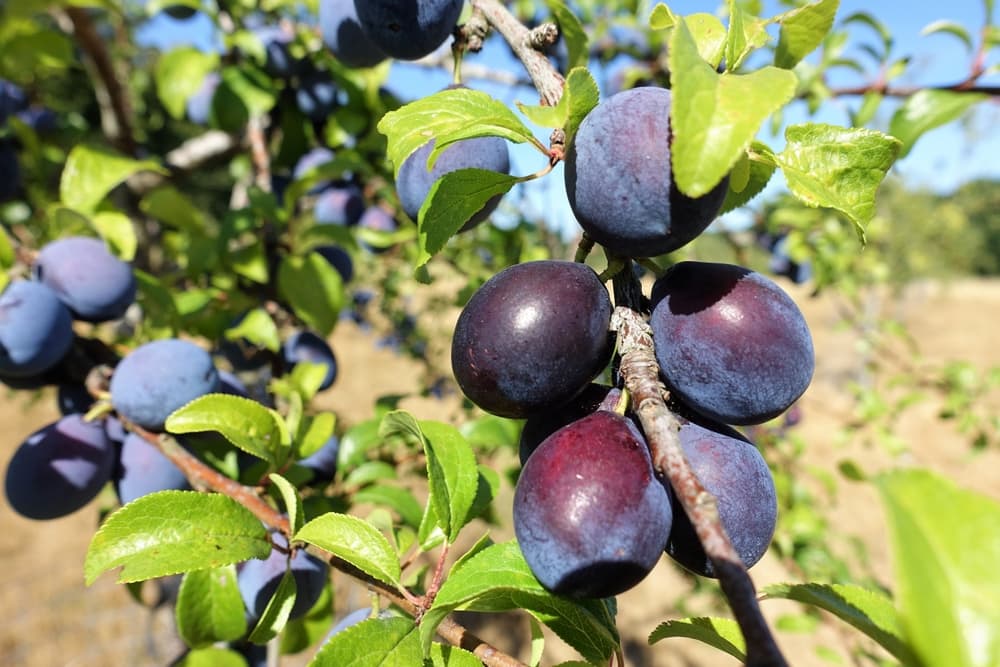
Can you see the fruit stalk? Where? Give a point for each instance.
(641, 375)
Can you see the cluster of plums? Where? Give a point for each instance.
(591, 515)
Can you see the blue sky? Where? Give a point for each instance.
(941, 160)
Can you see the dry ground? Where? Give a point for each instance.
(51, 619)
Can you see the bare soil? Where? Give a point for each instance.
(51, 618)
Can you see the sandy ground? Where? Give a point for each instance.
(51, 619)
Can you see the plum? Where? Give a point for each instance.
(411, 29)
(532, 337)
(36, 329)
(157, 378)
(343, 35)
(259, 579)
(619, 179)
(308, 346)
(94, 284)
(540, 426)
(730, 343)
(143, 469)
(591, 517)
(59, 468)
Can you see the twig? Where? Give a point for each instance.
(545, 78)
(909, 91)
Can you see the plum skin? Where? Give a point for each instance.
(408, 30)
(343, 35)
(159, 377)
(730, 343)
(732, 469)
(259, 579)
(94, 284)
(59, 468)
(414, 181)
(532, 337)
(36, 329)
(619, 180)
(540, 426)
(143, 469)
(307, 346)
(590, 516)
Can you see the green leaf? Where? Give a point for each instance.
(720, 633)
(448, 116)
(253, 88)
(375, 642)
(709, 35)
(761, 165)
(572, 32)
(258, 328)
(212, 657)
(866, 111)
(803, 30)
(175, 531)
(209, 608)
(715, 117)
(293, 503)
(7, 255)
(945, 548)
(871, 612)
(393, 497)
(452, 201)
(317, 434)
(91, 172)
(355, 541)
(170, 206)
(301, 633)
(836, 167)
(746, 34)
(277, 611)
(926, 110)
(179, 75)
(883, 32)
(498, 579)
(117, 231)
(313, 289)
(452, 656)
(246, 423)
(662, 18)
(951, 28)
(452, 475)
(580, 95)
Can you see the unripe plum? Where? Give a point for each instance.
(259, 579)
(730, 343)
(143, 469)
(590, 515)
(343, 35)
(408, 30)
(620, 183)
(36, 329)
(532, 337)
(732, 470)
(157, 378)
(414, 180)
(94, 284)
(60, 468)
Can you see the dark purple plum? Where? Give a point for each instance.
(36, 329)
(259, 579)
(532, 337)
(731, 469)
(143, 469)
(279, 61)
(307, 346)
(339, 206)
(73, 399)
(94, 284)
(730, 343)
(38, 118)
(323, 462)
(10, 171)
(342, 34)
(157, 378)
(12, 99)
(411, 29)
(619, 180)
(316, 95)
(414, 180)
(199, 105)
(540, 426)
(59, 468)
(591, 517)
(339, 259)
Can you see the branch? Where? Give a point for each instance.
(641, 375)
(112, 97)
(202, 476)
(544, 76)
(908, 91)
(192, 154)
